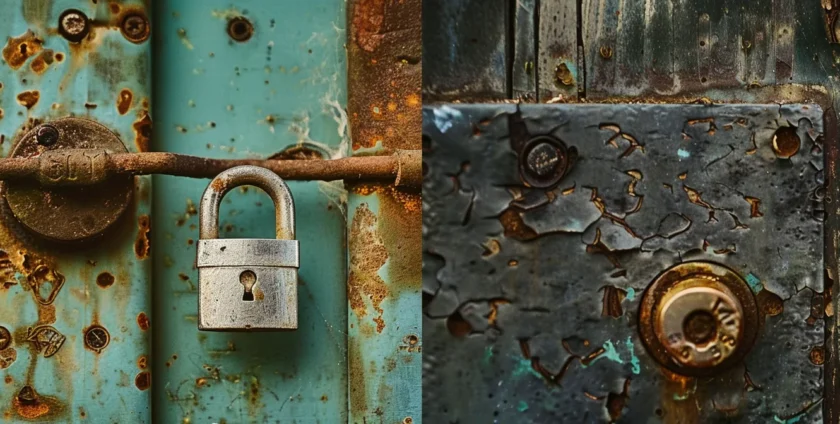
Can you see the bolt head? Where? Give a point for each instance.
(135, 28)
(543, 159)
(47, 135)
(5, 338)
(73, 25)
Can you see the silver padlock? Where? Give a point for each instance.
(247, 284)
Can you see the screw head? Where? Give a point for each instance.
(135, 28)
(240, 29)
(73, 25)
(97, 337)
(544, 161)
(47, 135)
(5, 338)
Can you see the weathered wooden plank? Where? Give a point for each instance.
(783, 18)
(660, 49)
(600, 29)
(724, 42)
(629, 51)
(758, 54)
(524, 69)
(558, 68)
(465, 50)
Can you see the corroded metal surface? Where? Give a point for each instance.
(383, 221)
(532, 296)
(68, 214)
(51, 295)
(279, 92)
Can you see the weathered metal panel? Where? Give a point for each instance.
(383, 222)
(51, 294)
(533, 294)
(282, 87)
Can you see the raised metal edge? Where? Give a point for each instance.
(248, 252)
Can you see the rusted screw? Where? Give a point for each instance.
(97, 337)
(47, 135)
(73, 25)
(543, 159)
(135, 28)
(5, 338)
(240, 29)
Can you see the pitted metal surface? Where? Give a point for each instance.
(531, 296)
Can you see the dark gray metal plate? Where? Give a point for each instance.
(531, 296)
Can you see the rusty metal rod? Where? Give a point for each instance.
(69, 167)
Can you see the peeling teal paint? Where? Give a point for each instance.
(611, 353)
(522, 407)
(630, 294)
(754, 283)
(488, 354)
(523, 366)
(683, 154)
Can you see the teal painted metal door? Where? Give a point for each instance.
(254, 80)
(283, 87)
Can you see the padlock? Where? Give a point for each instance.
(247, 284)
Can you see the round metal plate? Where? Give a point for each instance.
(68, 213)
(715, 276)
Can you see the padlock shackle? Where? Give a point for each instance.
(268, 181)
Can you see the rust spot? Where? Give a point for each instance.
(368, 17)
(324, 398)
(143, 380)
(770, 303)
(105, 280)
(141, 245)
(367, 255)
(563, 75)
(240, 29)
(142, 362)
(200, 382)
(19, 49)
(786, 142)
(611, 301)
(115, 8)
(7, 358)
(124, 103)
(143, 131)
(457, 325)
(491, 318)
(617, 401)
(515, 227)
(8, 379)
(42, 62)
(29, 99)
(30, 405)
(817, 355)
(143, 321)
(59, 57)
(755, 204)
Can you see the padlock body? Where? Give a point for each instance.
(224, 304)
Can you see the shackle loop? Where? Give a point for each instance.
(268, 181)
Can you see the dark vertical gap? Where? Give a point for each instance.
(581, 53)
(537, 57)
(510, 45)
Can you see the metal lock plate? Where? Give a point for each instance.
(247, 284)
(539, 268)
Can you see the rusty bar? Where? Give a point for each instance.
(77, 167)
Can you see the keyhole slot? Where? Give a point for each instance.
(248, 280)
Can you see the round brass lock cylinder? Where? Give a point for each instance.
(698, 318)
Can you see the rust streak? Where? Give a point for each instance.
(142, 245)
(367, 255)
(124, 103)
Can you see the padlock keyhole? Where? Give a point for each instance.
(248, 279)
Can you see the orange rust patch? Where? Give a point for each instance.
(143, 131)
(368, 16)
(143, 380)
(515, 227)
(42, 62)
(105, 280)
(141, 245)
(43, 408)
(19, 49)
(124, 102)
(142, 362)
(115, 7)
(817, 355)
(59, 57)
(7, 358)
(29, 99)
(8, 379)
(367, 256)
(143, 321)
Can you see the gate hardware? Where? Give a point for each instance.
(247, 284)
(70, 179)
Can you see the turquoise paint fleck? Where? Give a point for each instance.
(630, 294)
(683, 154)
(754, 283)
(634, 360)
(488, 354)
(790, 420)
(681, 397)
(522, 407)
(523, 366)
(611, 353)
